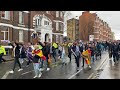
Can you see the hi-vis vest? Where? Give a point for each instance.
(40, 47)
(2, 50)
(55, 45)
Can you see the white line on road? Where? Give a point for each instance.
(101, 64)
(97, 68)
(90, 76)
(6, 74)
(75, 74)
(27, 72)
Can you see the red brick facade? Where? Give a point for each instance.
(91, 24)
(13, 26)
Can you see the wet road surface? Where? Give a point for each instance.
(56, 72)
(111, 71)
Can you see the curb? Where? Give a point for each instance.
(10, 60)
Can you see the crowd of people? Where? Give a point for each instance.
(45, 52)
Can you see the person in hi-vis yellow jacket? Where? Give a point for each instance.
(2, 52)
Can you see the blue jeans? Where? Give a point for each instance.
(63, 57)
(36, 69)
(92, 58)
(46, 63)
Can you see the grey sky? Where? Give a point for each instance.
(111, 17)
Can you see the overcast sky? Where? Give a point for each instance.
(111, 17)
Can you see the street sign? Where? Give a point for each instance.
(91, 37)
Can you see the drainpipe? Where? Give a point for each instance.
(29, 24)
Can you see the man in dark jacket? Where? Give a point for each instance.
(17, 56)
(110, 47)
(46, 52)
(76, 53)
(81, 51)
(69, 50)
(115, 52)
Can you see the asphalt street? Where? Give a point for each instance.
(56, 72)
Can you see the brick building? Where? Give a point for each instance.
(19, 25)
(91, 24)
(73, 29)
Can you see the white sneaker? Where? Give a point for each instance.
(35, 77)
(48, 69)
(11, 71)
(89, 66)
(78, 69)
(40, 75)
(41, 69)
(20, 70)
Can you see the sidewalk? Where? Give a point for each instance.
(111, 71)
(8, 58)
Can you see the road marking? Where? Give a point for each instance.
(97, 69)
(27, 72)
(6, 74)
(101, 64)
(75, 74)
(90, 76)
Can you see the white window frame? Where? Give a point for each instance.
(7, 15)
(57, 26)
(57, 13)
(21, 17)
(21, 35)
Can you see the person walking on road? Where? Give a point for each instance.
(22, 53)
(115, 52)
(36, 63)
(16, 56)
(2, 52)
(29, 53)
(46, 52)
(69, 50)
(52, 52)
(76, 53)
(63, 55)
(110, 50)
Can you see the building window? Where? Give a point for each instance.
(61, 14)
(57, 13)
(61, 27)
(20, 36)
(5, 15)
(46, 23)
(21, 17)
(37, 22)
(57, 26)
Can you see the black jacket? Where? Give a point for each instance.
(23, 54)
(17, 51)
(46, 50)
(115, 48)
